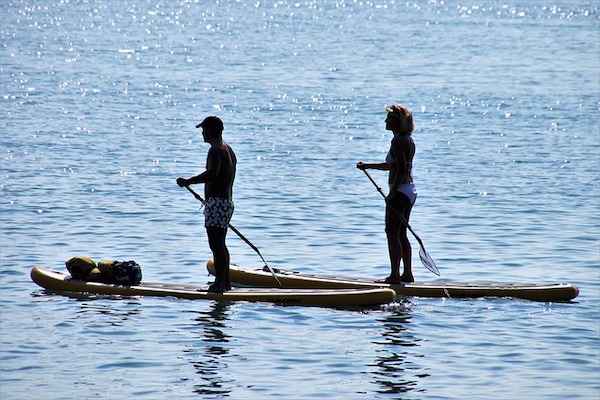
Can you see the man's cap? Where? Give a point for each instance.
(212, 123)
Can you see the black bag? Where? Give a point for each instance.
(126, 273)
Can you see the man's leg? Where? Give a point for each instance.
(216, 242)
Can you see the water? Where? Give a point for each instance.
(99, 103)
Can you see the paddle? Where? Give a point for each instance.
(197, 196)
(423, 255)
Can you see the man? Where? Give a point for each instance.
(218, 190)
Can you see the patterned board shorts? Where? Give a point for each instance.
(217, 212)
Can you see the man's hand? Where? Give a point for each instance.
(182, 182)
(361, 165)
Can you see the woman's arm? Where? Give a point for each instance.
(401, 165)
(379, 166)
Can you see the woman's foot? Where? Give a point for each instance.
(394, 280)
(390, 280)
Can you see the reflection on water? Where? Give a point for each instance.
(393, 372)
(212, 360)
(91, 305)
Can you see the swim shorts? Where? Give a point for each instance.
(410, 191)
(217, 212)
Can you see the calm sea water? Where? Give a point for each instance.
(99, 100)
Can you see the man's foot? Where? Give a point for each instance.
(407, 278)
(217, 288)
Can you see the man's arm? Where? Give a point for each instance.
(213, 165)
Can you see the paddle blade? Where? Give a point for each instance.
(428, 261)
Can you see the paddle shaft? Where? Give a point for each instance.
(248, 242)
(398, 213)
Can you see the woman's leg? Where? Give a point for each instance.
(392, 230)
(398, 244)
(407, 275)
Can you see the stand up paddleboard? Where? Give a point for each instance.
(294, 279)
(351, 297)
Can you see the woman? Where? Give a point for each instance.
(403, 193)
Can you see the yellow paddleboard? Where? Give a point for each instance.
(61, 282)
(294, 279)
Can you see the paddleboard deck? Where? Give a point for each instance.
(294, 279)
(350, 297)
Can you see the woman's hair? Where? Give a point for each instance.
(404, 119)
